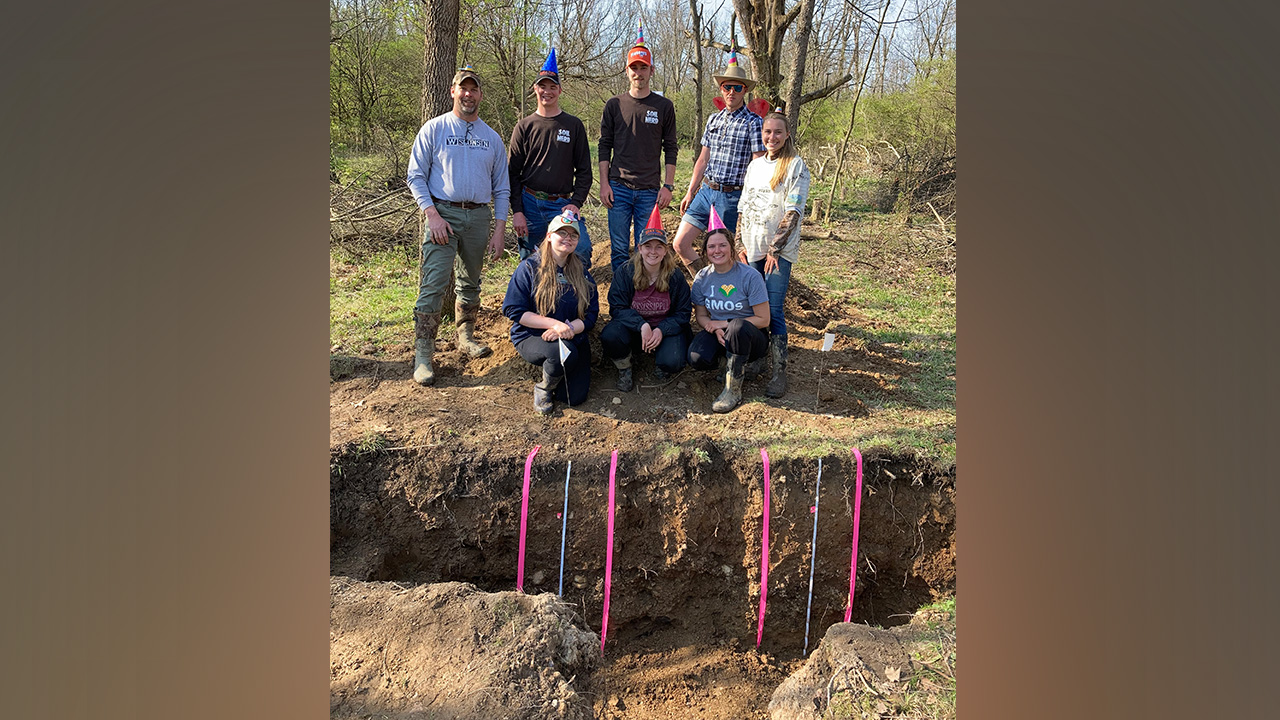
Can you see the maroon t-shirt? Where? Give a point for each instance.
(652, 304)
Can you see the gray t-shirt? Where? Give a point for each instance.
(729, 295)
(460, 161)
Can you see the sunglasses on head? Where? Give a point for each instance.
(734, 87)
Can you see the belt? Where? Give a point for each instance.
(547, 196)
(463, 205)
(631, 185)
(722, 188)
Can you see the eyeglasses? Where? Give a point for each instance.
(467, 136)
(732, 87)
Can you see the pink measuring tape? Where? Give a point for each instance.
(853, 560)
(764, 551)
(608, 555)
(524, 518)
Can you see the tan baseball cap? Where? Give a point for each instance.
(466, 72)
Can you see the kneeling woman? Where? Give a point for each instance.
(649, 307)
(732, 307)
(551, 298)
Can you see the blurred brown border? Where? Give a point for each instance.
(1115, 380)
(166, 419)
(167, 549)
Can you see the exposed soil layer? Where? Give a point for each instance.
(686, 566)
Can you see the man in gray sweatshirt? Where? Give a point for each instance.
(457, 167)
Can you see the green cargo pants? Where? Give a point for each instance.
(464, 255)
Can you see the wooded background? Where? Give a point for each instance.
(869, 84)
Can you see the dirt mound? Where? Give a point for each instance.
(859, 671)
(451, 652)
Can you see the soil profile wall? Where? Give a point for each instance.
(687, 534)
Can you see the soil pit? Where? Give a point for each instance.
(686, 565)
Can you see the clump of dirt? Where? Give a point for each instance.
(859, 671)
(451, 652)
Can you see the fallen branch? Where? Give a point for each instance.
(365, 205)
(829, 235)
(941, 224)
(392, 211)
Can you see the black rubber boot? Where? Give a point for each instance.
(543, 392)
(777, 386)
(625, 382)
(732, 393)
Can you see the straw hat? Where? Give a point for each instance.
(735, 73)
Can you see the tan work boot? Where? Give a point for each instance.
(466, 318)
(425, 326)
(697, 264)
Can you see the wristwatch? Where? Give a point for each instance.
(669, 187)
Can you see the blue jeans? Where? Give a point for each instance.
(699, 212)
(776, 284)
(630, 211)
(538, 215)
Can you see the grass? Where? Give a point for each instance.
(912, 309)
(371, 297)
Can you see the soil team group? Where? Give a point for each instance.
(745, 200)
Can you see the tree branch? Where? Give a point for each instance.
(819, 94)
(789, 18)
(724, 46)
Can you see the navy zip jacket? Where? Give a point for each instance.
(519, 300)
(623, 290)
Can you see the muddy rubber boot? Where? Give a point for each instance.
(425, 326)
(466, 317)
(542, 394)
(756, 367)
(625, 382)
(732, 393)
(777, 386)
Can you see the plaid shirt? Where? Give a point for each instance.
(732, 138)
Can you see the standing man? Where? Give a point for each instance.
(456, 168)
(550, 166)
(730, 142)
(636, 125)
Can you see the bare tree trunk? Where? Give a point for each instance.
(796, 83)
(844, 145)
(696, 15)
(439, 60)
(439, 55)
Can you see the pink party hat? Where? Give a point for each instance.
(715, 223)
